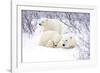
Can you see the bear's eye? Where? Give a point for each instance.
(66, 40)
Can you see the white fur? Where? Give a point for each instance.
(49, 39)
(52, 24)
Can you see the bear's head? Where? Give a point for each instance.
(47, 24)
(43, 22)
(67, 42)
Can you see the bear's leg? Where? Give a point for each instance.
(49, 44)
(60, 44)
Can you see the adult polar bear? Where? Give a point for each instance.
(53, 30)
(53, 25)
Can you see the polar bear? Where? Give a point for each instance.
(67, 41)
(49, 39)
(52, 24)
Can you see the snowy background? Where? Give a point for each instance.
(76, 23)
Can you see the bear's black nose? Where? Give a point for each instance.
(40, 24)
(63, 44)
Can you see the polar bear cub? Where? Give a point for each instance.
(52, 24)
(67, 41)
(50, 39)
